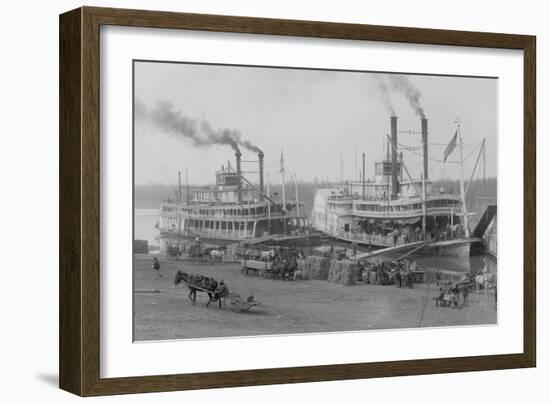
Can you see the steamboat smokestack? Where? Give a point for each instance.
(261, 162)
(394, 183)
(424, 123)
(239, 174)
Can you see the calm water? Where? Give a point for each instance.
(145, 220)
(144, 225)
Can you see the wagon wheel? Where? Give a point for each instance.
(234, 306)
(245, 306)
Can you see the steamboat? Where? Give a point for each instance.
(233, 210)
(394, 210)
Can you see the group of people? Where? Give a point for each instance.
(386, 273)
(453, 295)
(403, 274)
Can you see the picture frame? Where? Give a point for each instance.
(80, 154)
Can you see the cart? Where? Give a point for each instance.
(236, 303)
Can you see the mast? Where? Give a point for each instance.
(179, 186)
(462, 193)
(283, 191)
(424, 206)
(424, 130)
(268, 206)
(355, 172)
(341, 170)
(186, 186)
(179, 202)
(363, 184)
(283, 180)
(481, 152)
(297, 197)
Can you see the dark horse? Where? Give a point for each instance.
(202, 283)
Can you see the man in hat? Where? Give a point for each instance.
(221, 292)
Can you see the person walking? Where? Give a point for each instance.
(156, 267)
(485, 274)
(465, 292)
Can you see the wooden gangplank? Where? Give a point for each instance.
(392, 249)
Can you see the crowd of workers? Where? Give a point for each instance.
(402, 274)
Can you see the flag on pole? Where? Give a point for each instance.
(450, 147)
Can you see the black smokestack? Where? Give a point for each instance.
(239, 179)
(261, 163)
(394, 184)
(424, 123)
(199, 132)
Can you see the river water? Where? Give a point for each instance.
(144, 225)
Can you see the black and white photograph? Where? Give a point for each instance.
(279, 201)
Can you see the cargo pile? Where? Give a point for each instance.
(314, 268)
(343, 272)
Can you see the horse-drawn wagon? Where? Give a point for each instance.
(199, 283)
(283, 269)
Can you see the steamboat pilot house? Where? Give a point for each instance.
(232, 210)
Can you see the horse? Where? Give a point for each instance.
(276, 269)
(267, 255)
(485, 281)
(216, 255)
(203, 282)
(289, 269)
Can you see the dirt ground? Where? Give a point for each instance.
(163, 311)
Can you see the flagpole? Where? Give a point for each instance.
(462, 193)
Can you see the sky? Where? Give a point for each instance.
(315, 117)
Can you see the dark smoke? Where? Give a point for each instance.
(198, 131)
(413, 94)
(385, 95)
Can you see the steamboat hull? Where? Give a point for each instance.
(452, 248)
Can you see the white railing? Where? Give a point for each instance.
(212, 233)
(404, 213)
(384, 240)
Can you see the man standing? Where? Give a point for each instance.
(221, 292)
(156, 267)
(398, 277)
(438, 276)
(465, 293)
(485, 274)
(395, 234)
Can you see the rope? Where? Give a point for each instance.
(424, 307)
(445, 162)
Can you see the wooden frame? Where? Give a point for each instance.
(79, 201)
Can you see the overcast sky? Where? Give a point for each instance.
(313, 116)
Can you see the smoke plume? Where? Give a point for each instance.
(385, 95)
(402, 85)
(199, 131)
(413, 94)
